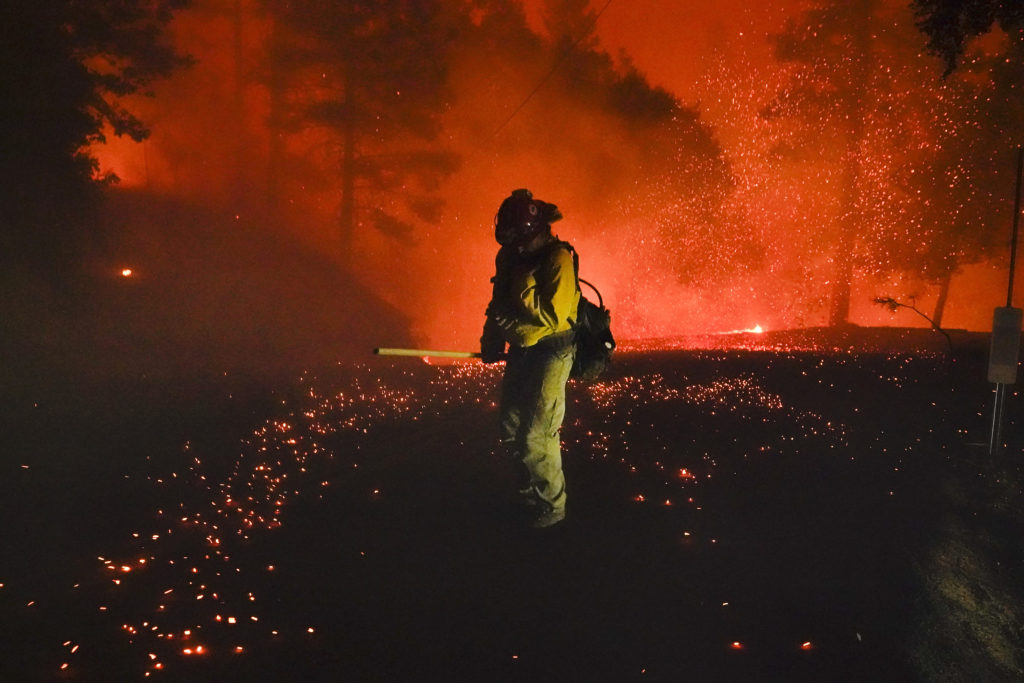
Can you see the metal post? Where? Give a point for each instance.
(1006, 339)
(995, 436)
(1016, 225)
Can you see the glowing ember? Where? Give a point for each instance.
(127, 272)
(237, 500)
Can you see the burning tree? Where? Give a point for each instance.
(833, 54)
(914, 194)
(865, 94)
(68, 66)
(957, 199)
(365, 86)
(963, 181)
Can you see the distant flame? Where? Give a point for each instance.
(756, 329)
(127, 272)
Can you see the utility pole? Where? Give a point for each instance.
(1006, 327)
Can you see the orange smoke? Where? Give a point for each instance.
(210, 143)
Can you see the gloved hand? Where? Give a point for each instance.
(492, 353)
(505, 323)
(492, 344)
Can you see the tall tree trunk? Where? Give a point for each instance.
(347, 216)
(851, 219)
(940, 304)
(842, 278)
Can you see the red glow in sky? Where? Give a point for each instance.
(715, 57)
(671, 42)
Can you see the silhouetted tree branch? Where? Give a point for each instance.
(949, 24)
(67, 66)
(893, 305)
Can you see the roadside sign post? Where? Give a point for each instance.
(1002, 365)
(1004, 351)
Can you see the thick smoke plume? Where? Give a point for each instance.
(712, 208)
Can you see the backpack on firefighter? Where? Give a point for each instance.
(595, 343)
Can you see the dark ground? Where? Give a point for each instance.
(833, 518)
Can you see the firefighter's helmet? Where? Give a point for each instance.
(521, 217)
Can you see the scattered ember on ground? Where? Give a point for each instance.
(195, 579)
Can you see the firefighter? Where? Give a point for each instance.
(532, 310)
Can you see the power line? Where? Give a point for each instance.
(554, 67)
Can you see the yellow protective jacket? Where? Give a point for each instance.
(536, 293)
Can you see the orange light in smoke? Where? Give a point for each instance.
(127, 272)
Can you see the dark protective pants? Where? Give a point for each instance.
(532, 409)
